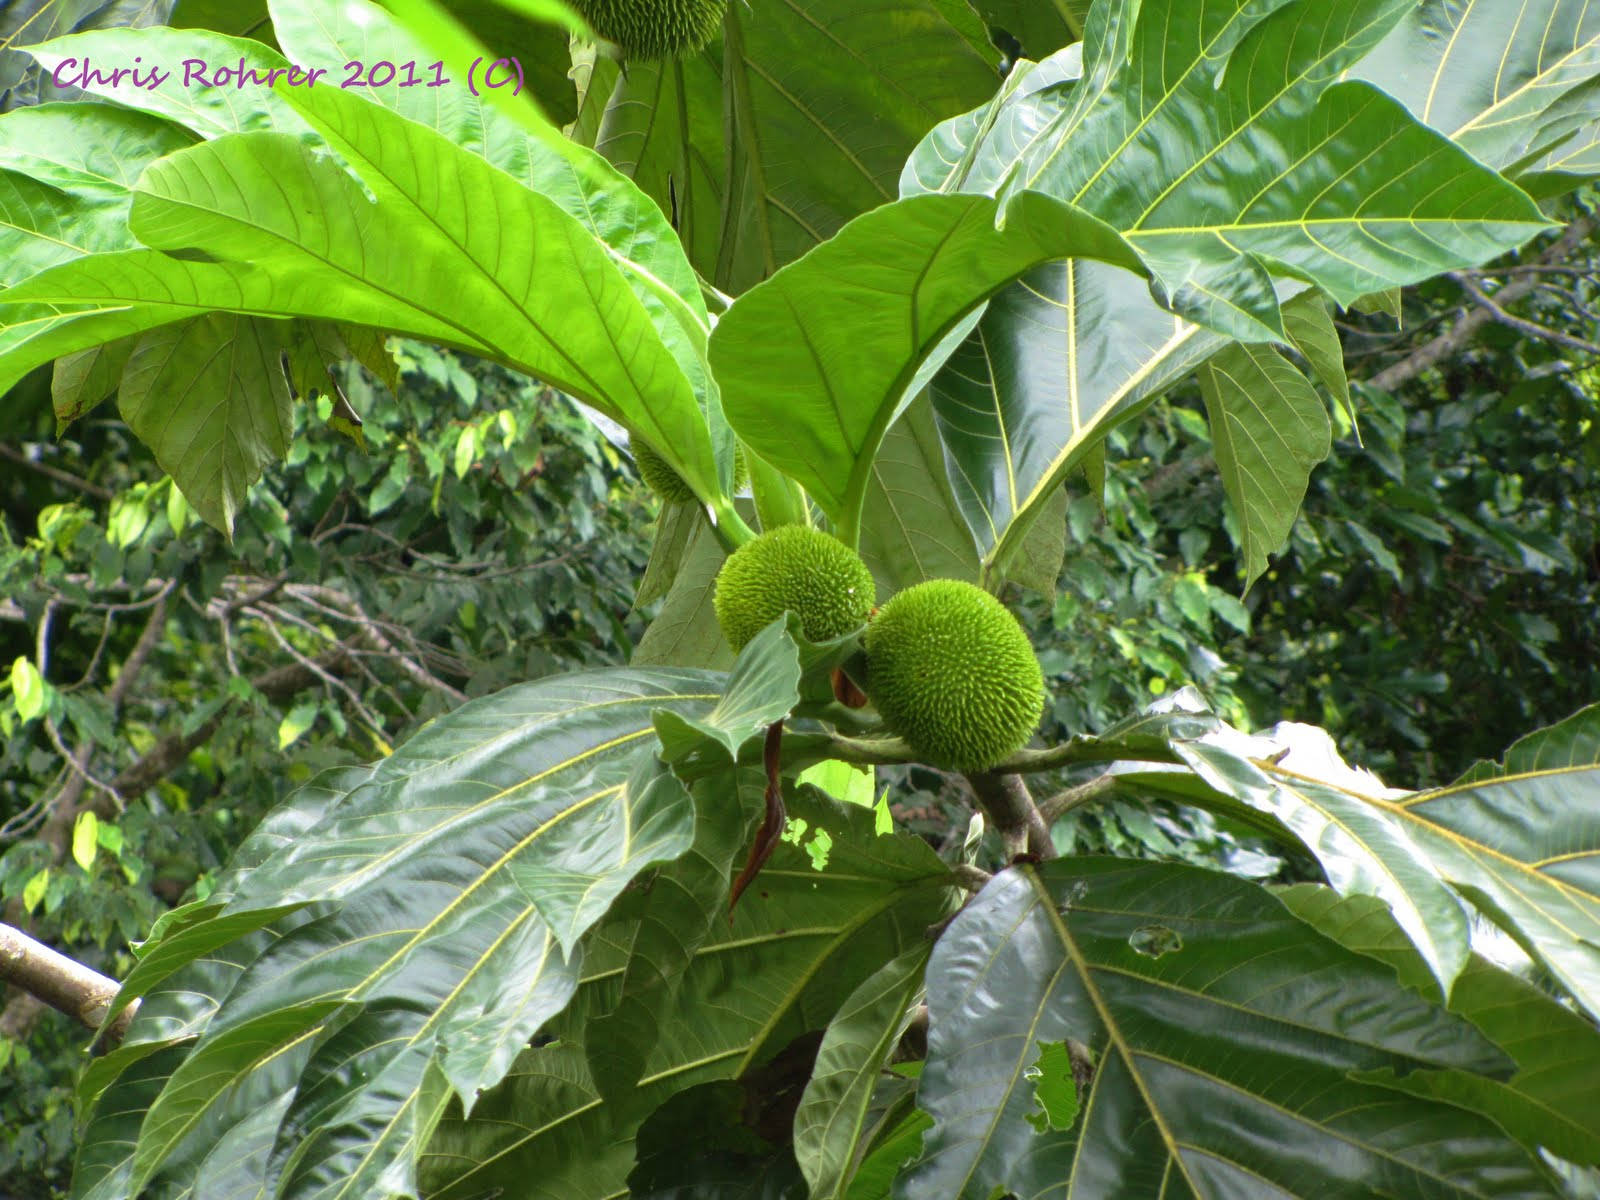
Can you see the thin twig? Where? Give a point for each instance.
(1531, 328)
(60, 476)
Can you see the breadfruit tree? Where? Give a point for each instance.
(643, 930)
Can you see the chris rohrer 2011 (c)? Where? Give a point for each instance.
(197, 72)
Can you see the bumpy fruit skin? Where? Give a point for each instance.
(952, 673)
(667, 483)
(655, 28)
(794, 567)
(657, 475)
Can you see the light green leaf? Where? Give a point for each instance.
(28, 694)
(295, 722)
(33, 891)
(466, 451)
(209, 111)
(85, 839)
(762, 688)
(816, 363)
(844, 781)
(1268, 429)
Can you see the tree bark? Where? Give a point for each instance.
(64, 984)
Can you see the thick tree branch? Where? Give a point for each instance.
(65, 985)
(1008, 804)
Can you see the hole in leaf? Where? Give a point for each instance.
(1153, 941)
(1054, 1091)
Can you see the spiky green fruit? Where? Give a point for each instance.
(952, 673)
(666, 483)
(797, 568)
(655, 28)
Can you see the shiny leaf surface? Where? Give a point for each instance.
(1161, 974)
(821, 101)
(816, 362)
(449, 891)
(801, 941)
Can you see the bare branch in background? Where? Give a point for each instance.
(1453, 340)
(64, 477)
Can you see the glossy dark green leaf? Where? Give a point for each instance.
(1223, 1051)
(1041, 27)
(729, 1160)
(1225, 156)
(816, 362)
(1549, 1101)
(1348, 822)
(661, 922)
(800, 942)
(449, 891)
(1059, 357)
(1269, 428)
(821, 103)
(833, 1114)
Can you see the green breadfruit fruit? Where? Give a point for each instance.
(952, 673)
(655, 28)
(797, 568)
(667, 483)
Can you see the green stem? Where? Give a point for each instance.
(728, 525)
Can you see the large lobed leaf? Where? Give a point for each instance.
(1520, 841)
(800, 942)
(817, 362)
(444, 898)
(797, 121)
(1228, 1050)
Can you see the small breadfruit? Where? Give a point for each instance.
(952, 673)
(667, 483)
(797, 568)
(655, 28)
